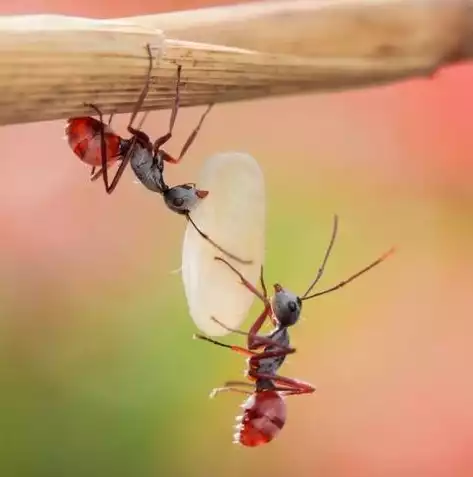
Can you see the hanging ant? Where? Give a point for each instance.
(265, 411)
(96, 144)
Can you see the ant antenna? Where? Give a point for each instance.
(327, 254)
(356, 275)
(206, 237)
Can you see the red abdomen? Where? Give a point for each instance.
(262, 420)
(83, 136)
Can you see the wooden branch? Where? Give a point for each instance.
(429, 30)
(50, 65)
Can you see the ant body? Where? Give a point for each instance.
(96, 144)
(265, 410)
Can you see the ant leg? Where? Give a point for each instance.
(258, 324)
(96, 175)
(141, 136)
(263, 284)
(265, 294)
(119, 173)
(137, 135)
(293, 385)
(257, 357)
(103, 146)
(175, 108)
(218, 247)
(356, 275)
(177, 100)
(254, 341)
(93, 175)
(121, 168)
(238, 349)
(245, 282)
(290, 392)
(238, 383)
(216, 391)
(145, 89)
(190, 139)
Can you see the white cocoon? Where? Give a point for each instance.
(233, 215)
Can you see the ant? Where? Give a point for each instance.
(265, 411)
(145, 157)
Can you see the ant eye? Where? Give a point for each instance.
(178, 201)
(292, 306)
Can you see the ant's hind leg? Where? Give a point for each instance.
(294, 386)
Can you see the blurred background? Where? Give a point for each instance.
(99, 375)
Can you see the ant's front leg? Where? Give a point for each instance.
(254, 341)
(267, 312)
(245, 282)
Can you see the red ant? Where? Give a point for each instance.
(96, 144)
(265, 410)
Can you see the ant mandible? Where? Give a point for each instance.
(265, 411)
(146, 158)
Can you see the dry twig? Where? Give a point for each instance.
(50, 65)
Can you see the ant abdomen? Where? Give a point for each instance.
(83, 136)
(263, 418)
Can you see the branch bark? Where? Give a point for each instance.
(50, 65)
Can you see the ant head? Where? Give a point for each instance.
(183, 198)
(286, 306)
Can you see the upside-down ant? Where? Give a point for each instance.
(265, 410)
(96, 144)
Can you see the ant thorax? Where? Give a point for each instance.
(183, 198)
(286, 306)
(147, 168)
(271, 365)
